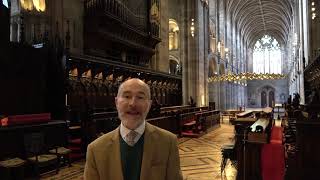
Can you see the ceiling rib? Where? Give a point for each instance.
(262, 16)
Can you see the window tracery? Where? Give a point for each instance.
(267, 56)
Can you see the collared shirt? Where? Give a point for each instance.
(140, 130)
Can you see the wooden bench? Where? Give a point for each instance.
(166, 122)
(231, 114)
(208, 119)
(104, 122)
(187, 122)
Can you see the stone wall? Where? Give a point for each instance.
(256, 87)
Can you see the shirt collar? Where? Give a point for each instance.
(140, 129)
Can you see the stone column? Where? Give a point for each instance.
(163, 47)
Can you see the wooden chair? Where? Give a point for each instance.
(228, 152)
(12, 168)
(63, 155)
(36, 153)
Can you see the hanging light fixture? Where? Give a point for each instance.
(219, 47)
(243, 77)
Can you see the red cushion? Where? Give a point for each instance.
(29, 118)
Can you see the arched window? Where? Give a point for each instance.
(267, 56)
(173, 35)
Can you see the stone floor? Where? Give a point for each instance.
(200, 158)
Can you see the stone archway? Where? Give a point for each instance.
(174, 65)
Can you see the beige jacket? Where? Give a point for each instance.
(160, 159)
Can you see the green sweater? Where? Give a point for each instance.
(131, 159)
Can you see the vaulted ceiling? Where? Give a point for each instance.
(254, 18)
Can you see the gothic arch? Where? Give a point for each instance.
(174, 65)
(267, 95)
(174, 37)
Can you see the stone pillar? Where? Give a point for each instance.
(184, 45)
(202, 36)
(163, 47)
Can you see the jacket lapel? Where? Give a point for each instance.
(148, 150)
(116, 168)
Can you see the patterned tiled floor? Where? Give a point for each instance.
(200, 158)
(68, 173)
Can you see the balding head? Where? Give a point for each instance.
(138, 82)
(133, 102)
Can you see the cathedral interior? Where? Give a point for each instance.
(236, 81)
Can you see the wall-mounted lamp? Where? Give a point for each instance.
(219, 47)
(313, 9)
(226, 55)
(192, 27)
(202, 100)
(313, 15)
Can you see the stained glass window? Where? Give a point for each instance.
(267, 56)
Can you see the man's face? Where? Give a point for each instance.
(133, 103)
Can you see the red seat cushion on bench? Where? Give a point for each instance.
(191, 123)
(29, 118)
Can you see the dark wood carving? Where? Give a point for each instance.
(120, 31)
(89, 94)
(312, 88)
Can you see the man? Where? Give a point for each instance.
(136, 150)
